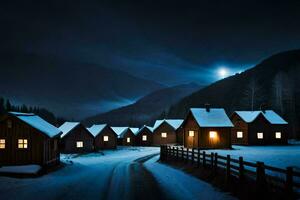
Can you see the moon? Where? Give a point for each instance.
(222, 72)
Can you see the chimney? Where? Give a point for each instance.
(207, 107)
(263, 107)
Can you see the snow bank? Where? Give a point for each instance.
(181, 185)
(22, 169)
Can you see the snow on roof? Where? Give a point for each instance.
(67, 127)
(215, 117)
(38, 123)
(270, 116)
(143, 127)
(119, 130)
(175, 123)
(96, 129)
(134, 130)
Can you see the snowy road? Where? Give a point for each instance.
(128, 173)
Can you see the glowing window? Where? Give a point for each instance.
(2, 143)
(79, 144)
(191, 133)
(163, 135)
(260, 136)
(212, 134)
(144, 138)
(128, 140)
(105, 138)
(239, 134)
(278, 135)
(22, 143)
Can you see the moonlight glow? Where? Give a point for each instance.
(222, 72)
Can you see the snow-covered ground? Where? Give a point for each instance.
(23, 169)
(111, 174)
(277, 156)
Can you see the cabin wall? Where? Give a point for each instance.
(38, 151)
(139, 138)
(171, 135)
(131, 136)
(110, 144)
(239, 125)
(190, 125)
(179, 135)
(79, 133)
(260, 124)
(201, 138)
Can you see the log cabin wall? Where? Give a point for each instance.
(78, 134)
(139, 138)
(179, 135)
(239, 126)
(190, 125)
(112, 139)
(164, 128)
(127, 135)
(259, 125)
(38, 151)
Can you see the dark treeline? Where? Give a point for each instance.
(7, 106)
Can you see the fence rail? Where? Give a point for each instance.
(235, 167)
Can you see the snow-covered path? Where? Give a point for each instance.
(121, 174)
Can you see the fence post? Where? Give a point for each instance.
(228, 170)
(198, 159)
(177, 158)
(187, 155)
(241, 169)
(212, 160)
(260, 176)
(216, 162)
(204, 158)
(173, 152)
(182, 154)
(289, 181)
(193, 155)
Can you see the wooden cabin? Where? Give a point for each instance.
(258, 128)
(25, 139)
(126, 135)
(76, 138)
(207, 128)
(165, 131)
(144, 136)
(104, 137)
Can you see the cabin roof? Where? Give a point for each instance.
(119, 131)
(96, 129)
(134, 130)
(215, 117)
(269, 115)
(38, 123)
(67, 127)
(175, 123)
(143, 127)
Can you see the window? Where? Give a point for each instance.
(22, 143)
(163, 135)
(239, 134)
(9, 124)
(2, 143)
(278, 135)
(260, 136)
(128, 140)
(144, 138)
(191, 133)
(105, 138)
(212, 134)
(79, 144)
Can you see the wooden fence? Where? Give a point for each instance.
(287, 179)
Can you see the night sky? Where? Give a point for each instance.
(167, 41)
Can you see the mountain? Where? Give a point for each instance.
(274, 83)
(67, 88)
(146, 109)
